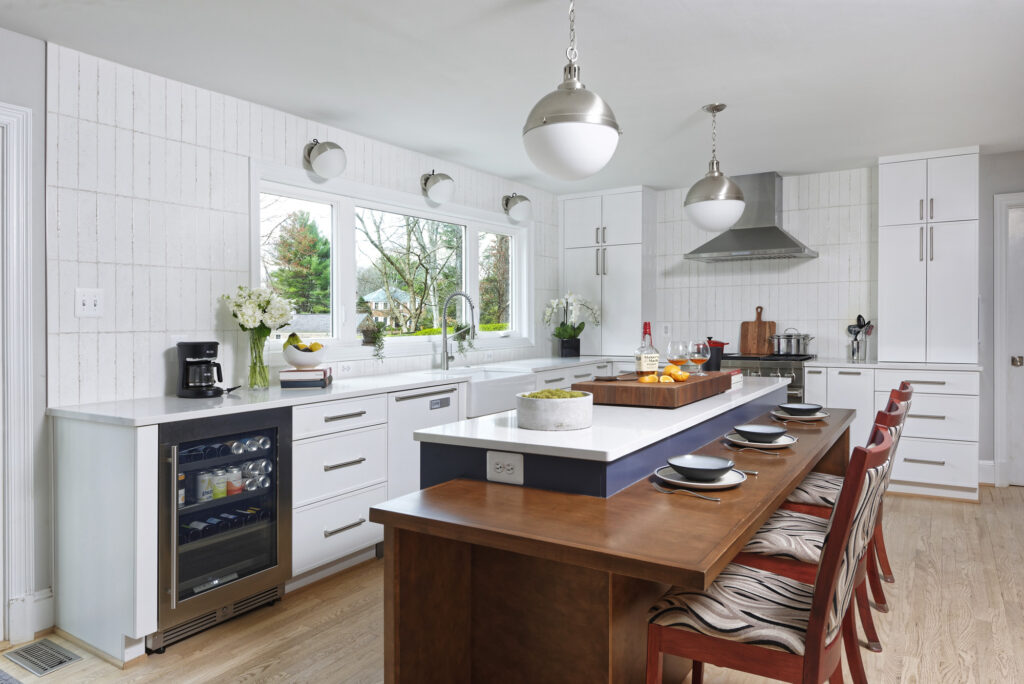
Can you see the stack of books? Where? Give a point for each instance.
(315, 378)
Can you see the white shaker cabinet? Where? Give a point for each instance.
(852, 388)
(816, 386)
(930, 186)
(609, 238)
(952, 292)
(953, 188)
(902, 192)
(902, 292)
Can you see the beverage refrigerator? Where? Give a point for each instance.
(224, 519)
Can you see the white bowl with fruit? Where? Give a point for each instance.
(301, 355)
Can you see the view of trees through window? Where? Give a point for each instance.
(495, 281)
(295, 259)
(405, 268)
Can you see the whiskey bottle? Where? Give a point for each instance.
(646, 355)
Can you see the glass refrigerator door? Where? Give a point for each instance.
(226, 510)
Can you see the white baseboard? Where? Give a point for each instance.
(42, 610)
(987, 472)
(329, 569)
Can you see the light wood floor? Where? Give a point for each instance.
(957, 614)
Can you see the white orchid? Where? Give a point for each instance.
(572, 310)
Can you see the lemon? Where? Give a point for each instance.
(648, 378)
(671, 369)
(316, 346)
(680, 376)
(666, 378)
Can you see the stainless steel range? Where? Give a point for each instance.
(773, 365)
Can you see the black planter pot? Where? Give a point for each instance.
(570, 347)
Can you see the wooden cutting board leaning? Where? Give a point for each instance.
(756, 335)
(657, 395)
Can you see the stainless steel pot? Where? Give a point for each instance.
(792, 343)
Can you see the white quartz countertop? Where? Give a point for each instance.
(616, 430)
(543, 363)
(153, 410)
(892, 365)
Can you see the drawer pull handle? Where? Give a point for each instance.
(346, 464)
(408, 397)
(926, 416)
(344, 416)
(924, 461)
(814, 372)
(602, 365)
(849, 372)
(331, 533)
(551, 380)
(581, 375)
(927, 382)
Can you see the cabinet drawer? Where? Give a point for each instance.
(326, 466)
(582, 373)
(329, 530)
(939, 416)
(929, 461)
(603, 368)
(928, 382)
(557, 379)
(335, 416)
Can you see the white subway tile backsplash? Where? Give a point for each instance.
(87, 87)
(123, 155)
(123, 100)
(87, 239)
(202, 117)
(140, 101)
(106, 93)
(157, 106)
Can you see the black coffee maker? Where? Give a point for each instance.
(198, 370)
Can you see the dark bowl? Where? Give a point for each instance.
(760, 433)
(800, 409)
(700, 468)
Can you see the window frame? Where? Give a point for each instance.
(345, 196)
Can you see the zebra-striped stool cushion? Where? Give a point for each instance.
(789, 534)
(743, 604)
(817, 489)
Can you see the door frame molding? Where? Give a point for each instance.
(1001, 205)
(17, 518)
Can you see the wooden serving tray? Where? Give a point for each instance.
(657, 395)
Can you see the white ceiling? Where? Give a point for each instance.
(812, 85)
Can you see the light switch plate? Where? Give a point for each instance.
(503, 466)
(88, 302)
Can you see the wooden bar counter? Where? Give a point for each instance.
(488, 582)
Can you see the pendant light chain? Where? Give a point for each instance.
(570, 52)
(714, 136)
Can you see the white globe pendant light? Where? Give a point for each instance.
(571, 133)
(714, 203)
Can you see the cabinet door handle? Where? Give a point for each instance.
(604, 254)
(920, 245)
(331, 533)
(604, 233)
(551, 380)
(924, 461)
(926, 416)
(581, 375)
(931, 207)
(346, 464)
(920, 210)
(597, 261)
(602, 365)
(174, 526)
(814, 372)
(408, 397)
(927, 382)
(597, 235)
(849, 372)
(344, 416)
(931, 243)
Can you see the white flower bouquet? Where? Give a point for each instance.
(258, 312)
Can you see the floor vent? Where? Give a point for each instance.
(42, 657)
(255, 601)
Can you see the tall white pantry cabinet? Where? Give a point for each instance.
(608, 238)
(928, 257)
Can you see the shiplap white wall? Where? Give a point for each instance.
(834, 213)
(148, 198)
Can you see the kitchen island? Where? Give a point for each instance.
(624, 444)
(498, 583)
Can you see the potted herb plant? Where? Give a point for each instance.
(373, 335)
(568, 313)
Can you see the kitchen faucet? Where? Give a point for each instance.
(446, 358)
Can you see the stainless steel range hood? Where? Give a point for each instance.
(757, 235)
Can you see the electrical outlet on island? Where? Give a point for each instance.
(503, 466)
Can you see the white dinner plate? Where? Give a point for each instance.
(732, 478)
(782, 415)
(780, 443)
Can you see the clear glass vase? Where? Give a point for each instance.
(259, 375)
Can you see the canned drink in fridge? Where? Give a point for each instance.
(220, 483)
(264, 482)
(204, 486)
(251, 484)
(264, 443)
(265, 465)
(252, 445)
(234, 484)
(250, 469)
(235, 447)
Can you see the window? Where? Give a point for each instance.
(295, 259)
(343, 253)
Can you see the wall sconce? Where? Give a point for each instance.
(518, 207)
(438, 187)
(326, 159)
